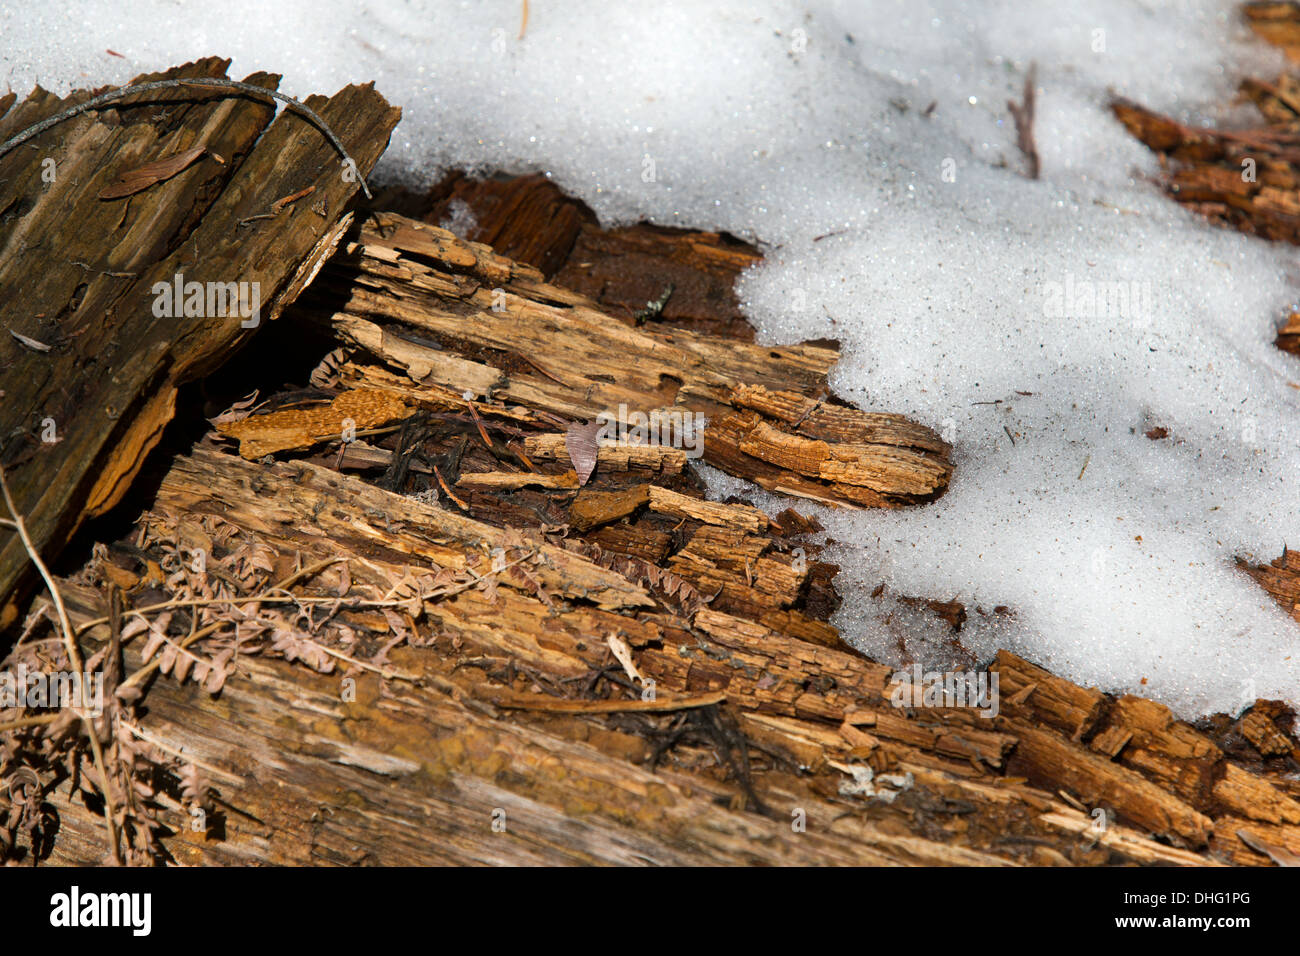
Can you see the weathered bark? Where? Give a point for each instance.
(77, 271)
(447, 317)
(528, 219)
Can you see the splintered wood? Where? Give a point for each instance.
(1245, 178)
(152, 190)
(1248, 179)
(437, 312)
(482, 709)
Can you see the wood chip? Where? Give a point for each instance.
(303, 427)
(31, 343)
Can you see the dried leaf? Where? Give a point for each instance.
(236, 412)
(326, 373)
(142, 177)
(582, 446)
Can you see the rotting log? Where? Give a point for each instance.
(625, 269)
(442, 734)
(92, 382)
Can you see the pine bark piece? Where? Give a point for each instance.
(108, 383)
(1165, 750)
(837, 423)
(1133, 845)
(1246, 179)
(527, 218)
(626, 269)
(677, 505)
(1143, 736)
(1246, 795)
(1288, 337)
(1264, 736)
(636, 540)
(530, 220)
(509, 481)
(611, 456)
(592, 508)
(1280, 578)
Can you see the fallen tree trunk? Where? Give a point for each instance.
(428, 639)
(437, 742)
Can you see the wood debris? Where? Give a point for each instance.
(349, 414)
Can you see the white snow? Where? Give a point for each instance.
(785, 122)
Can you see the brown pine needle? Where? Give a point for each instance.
(447, 491)
(478, 422)
(564, 705)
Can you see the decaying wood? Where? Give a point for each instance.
(484, 715)
(1288, 337)
(357, 410)
(528, 219)
(79, 259)
(1281, 579)
(1278, 23)
(1248, 178)
(445, 316)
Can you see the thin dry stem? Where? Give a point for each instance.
(74, 661)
